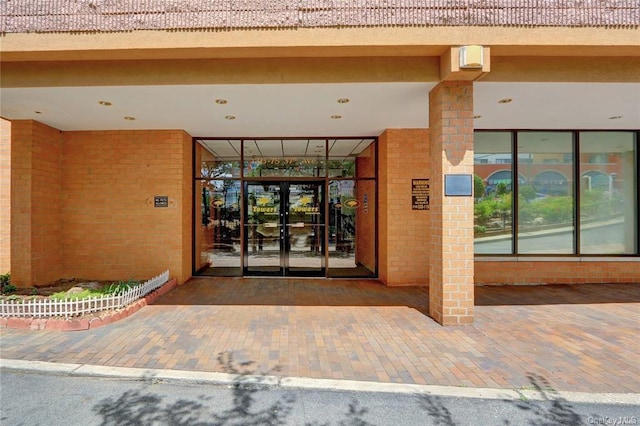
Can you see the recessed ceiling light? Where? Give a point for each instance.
(230, 117)
(343, 100)
(104, 103)
(336, 117)
(221, 101)
(475, 117)
(615, 117)
(129, 118)
(505, 101)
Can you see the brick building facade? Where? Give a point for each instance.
(104, 119)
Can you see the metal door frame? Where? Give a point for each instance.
(284, 240)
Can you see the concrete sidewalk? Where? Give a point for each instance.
(576, 339)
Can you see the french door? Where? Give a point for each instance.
(284, 231)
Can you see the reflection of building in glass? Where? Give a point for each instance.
(561, 207)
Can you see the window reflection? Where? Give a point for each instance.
(493, 189)
(545, 200)
(608, 205)
(604, 174)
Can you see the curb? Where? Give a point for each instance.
(283, 382)
(79, 324)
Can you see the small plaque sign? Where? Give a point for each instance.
(161, 201)
(352, 203)
(420, 194)
(458, 185)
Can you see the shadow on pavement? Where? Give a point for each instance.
(548, 409)
(141, 407)
(250, 405)
(556, 411)
(294, 292)
(565, 294)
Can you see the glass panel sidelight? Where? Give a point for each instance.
(352, 228)
(217, 227)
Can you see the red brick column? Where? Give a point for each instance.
(451, 218)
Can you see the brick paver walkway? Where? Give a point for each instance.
(576, 338)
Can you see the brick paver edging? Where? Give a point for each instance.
(76, 324)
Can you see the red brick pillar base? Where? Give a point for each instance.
(451, 297)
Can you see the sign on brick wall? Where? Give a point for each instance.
(161, 201)
(420, 194)
(458, 185)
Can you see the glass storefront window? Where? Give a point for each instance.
(608, 204)
(264, 207)
(217, 223)
(218, 159)
(351, 228)
(605, 178)
(546, 201)
(493, 192)
(351, 158)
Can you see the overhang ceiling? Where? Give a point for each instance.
(290, 110)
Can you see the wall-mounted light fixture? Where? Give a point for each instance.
(471, 57)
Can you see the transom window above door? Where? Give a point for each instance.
(258, 158)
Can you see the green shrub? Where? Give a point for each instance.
(85, 294)
(478, 187)
(479, 229)
(120, 287)
(5, 284)
(556, 209)
(527, 192)
(484, 210)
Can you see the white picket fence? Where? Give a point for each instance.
(39, 308)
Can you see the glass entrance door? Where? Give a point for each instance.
(284, 229)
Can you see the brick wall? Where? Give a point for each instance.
(557, 272)
(5, 196)
(21, 142)
(403, 233)
(111, 228)
(46, 193)
(36, 158)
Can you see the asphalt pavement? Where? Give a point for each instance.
(92, 396)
